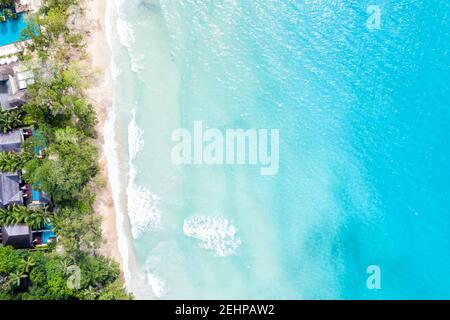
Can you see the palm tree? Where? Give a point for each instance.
(90, 293)
(14, 279)
(8, 13)
(65, 263)
(10, 119)
(11, 161)
(21, 214)
(6, 3)
(8, 217)
(28, 264)
(34, 219)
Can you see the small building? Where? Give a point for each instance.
(12, 89)
(12, 140)
(10, 191)
(18, 236)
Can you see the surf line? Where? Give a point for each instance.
(212, 146)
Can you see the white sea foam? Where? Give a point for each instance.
(137, 62)
(126, 35)
(142, 211)
(124, 29)
(215, 233)
(135, 140)
(110, 150)
(142, 208)
(142, 204)
(109, 147)
(158, 286)
(114, 71)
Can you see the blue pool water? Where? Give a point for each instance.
(364, 154)
(35, 195)
(46, 235)
(10, 31)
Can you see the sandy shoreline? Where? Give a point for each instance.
(100, 96)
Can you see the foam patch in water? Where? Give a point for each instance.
(158, 286)
(142, 204)
(215, 233)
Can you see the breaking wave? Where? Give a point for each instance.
(158, 286)
(215, 233)
(142, 204)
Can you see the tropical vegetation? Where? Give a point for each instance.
(39, 275)
(67, 169)
(6, 11)
(13, 161)
(6, 3)
(10, 119)
(20, 214)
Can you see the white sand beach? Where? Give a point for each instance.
(100, 95)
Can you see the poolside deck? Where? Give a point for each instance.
(9, 49)
(12, 49)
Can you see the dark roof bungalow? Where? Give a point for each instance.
(18, 235)
(12, 140)
(10, 192)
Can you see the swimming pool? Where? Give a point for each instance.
(47, 236)
(35, 195)
(11, 30)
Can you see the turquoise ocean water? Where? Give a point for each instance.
(364, 173)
